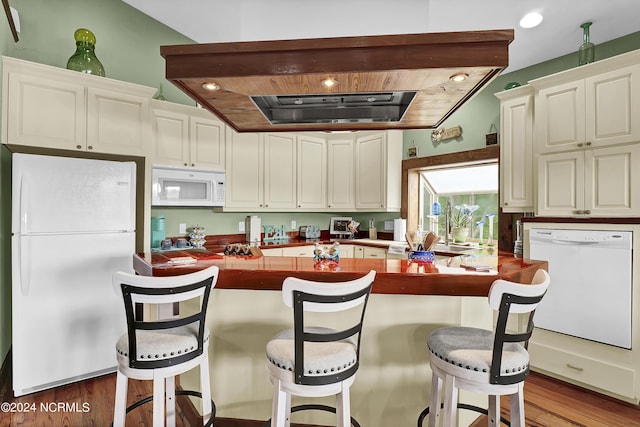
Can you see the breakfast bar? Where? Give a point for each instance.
(408, 301)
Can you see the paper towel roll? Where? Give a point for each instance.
(399, 229)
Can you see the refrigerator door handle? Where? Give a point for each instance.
(24, 212)
(23, 264)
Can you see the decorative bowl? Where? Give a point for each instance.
(421, 256)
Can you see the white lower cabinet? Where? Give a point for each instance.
(272, 252)
(369, 252)
(604, 368)
(347, 251)
(299, 251)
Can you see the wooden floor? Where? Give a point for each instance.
(549, 403)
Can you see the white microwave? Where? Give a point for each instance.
(186, 187)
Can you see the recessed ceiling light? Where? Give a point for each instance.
(329, 82)
(459, 77)
(531, 19)
(211, 86)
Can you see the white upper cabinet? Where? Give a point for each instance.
(311, 172)
(516, 149)
(244, 171)
(591, 106)
(587, 138)
(186, 136)
(378, 159)
(280, 171)
(340, 175)
(51, 107)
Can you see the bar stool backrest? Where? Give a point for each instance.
(165, 290)
(326, 297)
(514, 298)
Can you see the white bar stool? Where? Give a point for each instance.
(483, 361)
(161, 349)
(316, 359)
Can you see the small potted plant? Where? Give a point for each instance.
(461, 219)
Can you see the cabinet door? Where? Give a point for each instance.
(340, 175)
(44, 112)
(560, 117)
(371, 169)
(272, 252)
(613, 107)
(207, 148)
(561, 184)
(312, 173)
(347, 251)
(516, 155)
(244, 171)
(299, 251)
(117, 122)
(611, 174)
(280, 171)
(370, 252)
(170, 138)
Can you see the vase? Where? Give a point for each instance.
(84, 59)
(586, 53)
(459, 234)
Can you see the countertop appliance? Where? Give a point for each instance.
(171, 186)
(591, 283)
(73, 225)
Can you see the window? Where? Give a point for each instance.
(475, 184)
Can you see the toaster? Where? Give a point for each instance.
(310, 231)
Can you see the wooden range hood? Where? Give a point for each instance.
(409, 76)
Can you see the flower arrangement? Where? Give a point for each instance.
(462, 217)
(353, 227)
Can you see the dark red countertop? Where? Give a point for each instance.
(394, 276)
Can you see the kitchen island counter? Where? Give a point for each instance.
(409, 301)
(394, 276)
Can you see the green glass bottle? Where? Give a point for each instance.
(586, 53)
(84, 59)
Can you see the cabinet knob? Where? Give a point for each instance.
(186, 164)
(588, 143)
(587, 212)
(90, 147)
(580, 144)
(79, 147)
(193, 164)
(506, 203)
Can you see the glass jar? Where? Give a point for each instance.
(586, 53)
(84, 59)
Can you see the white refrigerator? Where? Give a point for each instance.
(73, 225)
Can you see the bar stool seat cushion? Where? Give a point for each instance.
(320, 358)
(163, 344)
(471, 348)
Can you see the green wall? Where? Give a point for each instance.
(476, 116)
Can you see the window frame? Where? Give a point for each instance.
(411, 185)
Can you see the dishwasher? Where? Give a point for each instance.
(591, 283)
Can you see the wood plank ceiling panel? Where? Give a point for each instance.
(423, 63)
